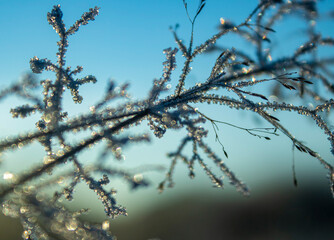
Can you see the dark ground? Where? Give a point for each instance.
(280, 215)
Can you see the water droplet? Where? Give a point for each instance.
(222, 21)
(71, 225)
(8, 176)
(106, 225)
(138, 177)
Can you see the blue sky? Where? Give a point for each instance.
(126, 38)
(125, 43)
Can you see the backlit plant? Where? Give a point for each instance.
(232, 83)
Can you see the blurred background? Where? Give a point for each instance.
(125, 43)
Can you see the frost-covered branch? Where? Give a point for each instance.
(235, 81)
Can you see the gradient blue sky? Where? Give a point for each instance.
(125, 42)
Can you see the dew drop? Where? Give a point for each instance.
(8, 176)
(71, 225)
(106, 225)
